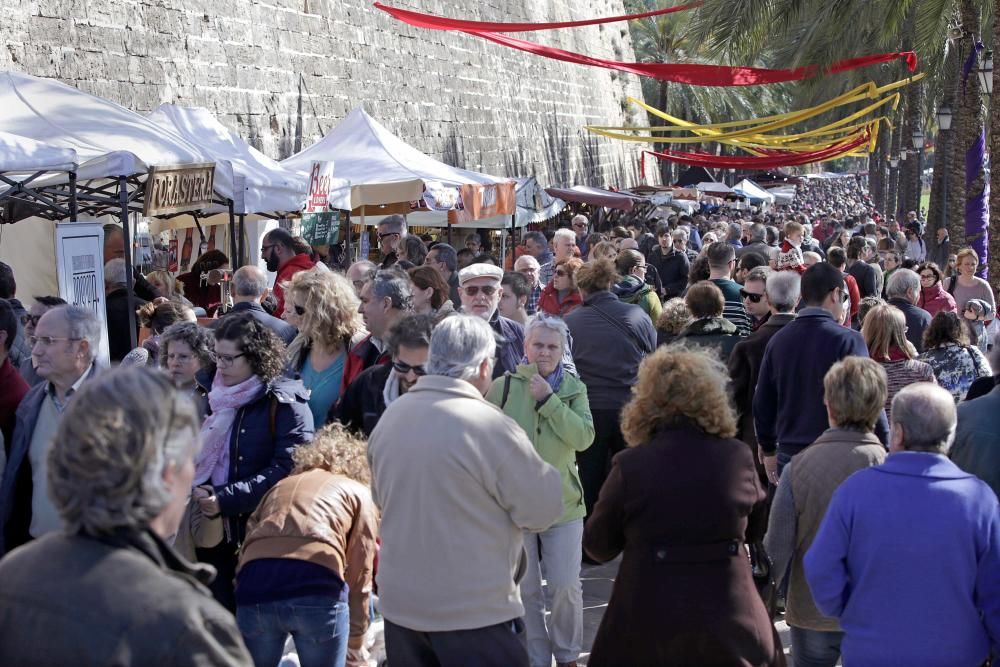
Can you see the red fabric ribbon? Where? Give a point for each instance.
(432, 22)
(694, 74)
(787, 159)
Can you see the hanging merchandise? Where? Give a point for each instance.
(693, 74)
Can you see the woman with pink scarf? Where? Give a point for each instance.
(256, 418)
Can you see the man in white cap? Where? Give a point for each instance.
(480, 290)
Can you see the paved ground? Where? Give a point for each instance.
(597, 583)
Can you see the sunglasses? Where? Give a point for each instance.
(561, 273)
(299, 310)
(580, 226)
(404, 369)
(30, 319)
(387, 235)
(473, 290)
(754, 298)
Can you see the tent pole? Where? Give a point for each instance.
(129, 286)
(232, 238)
(357, 257)
(449, 235)
(243, 238)
(513, 241)
(72, 197)
(347, 243)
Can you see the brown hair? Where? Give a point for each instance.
(705, 299)
(427, 276)
(855, 390)
(675, 316)
(572, 265)
(596, 276)
(675, 384)
(884, 329)
(945, 329)
(336, 450)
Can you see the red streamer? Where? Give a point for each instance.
(787, 159)
(432, 22)
(693, 74)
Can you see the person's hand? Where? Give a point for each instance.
(770, 467)
(209, 504)
(357, 657)
(539, 388)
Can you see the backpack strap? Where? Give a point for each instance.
(506, 390)
(274, 416)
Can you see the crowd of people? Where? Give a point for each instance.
(792, 410)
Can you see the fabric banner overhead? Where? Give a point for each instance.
(693, 74)
(779, 160)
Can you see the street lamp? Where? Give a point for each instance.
(985, 72)
(894, 162)
(944, 118)
(902, 155)
(918, 139)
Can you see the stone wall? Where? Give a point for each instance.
(283, 72)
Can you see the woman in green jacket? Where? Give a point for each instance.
(551, 406)
(632, 287)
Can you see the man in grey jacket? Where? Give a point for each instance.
(455, 499)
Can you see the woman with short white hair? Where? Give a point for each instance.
(551, 405)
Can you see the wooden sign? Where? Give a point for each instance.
(178, 188)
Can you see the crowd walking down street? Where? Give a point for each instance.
(775, 444)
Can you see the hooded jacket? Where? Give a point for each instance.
(632, 290)
(300, 262)
(936, 299)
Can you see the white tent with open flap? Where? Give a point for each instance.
(23, 155)
(753, 192)
(387, 176)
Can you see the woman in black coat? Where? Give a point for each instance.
(709, 329)
(256, 418)
(676, 503)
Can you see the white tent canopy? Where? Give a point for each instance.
(714, 188)
(382, 168)
(753, 192)
(109, 140)
(24, 155)
(268, 187)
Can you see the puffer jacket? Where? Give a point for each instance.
(322, 518)
(549, 303)
(558, 428)
(713, 333)
(936, 299)
(632, 290)
(260, 450)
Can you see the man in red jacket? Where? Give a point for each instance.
(278, 251)
(12, 385)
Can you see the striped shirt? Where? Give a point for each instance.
(734, 311)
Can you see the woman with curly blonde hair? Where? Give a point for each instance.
(328, 310)
(676, 503)
(306, 565)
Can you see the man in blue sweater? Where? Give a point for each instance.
(908, 554)
(788, 409)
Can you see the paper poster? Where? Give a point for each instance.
(80, 270)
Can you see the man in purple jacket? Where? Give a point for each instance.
(908, 554)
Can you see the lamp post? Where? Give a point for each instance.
(944, 124)
(985, 72)
(918, 146)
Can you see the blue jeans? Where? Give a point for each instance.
(318, 624)
(815, 648)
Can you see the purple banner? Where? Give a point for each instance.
(977, 208)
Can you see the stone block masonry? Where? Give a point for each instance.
(284, 72)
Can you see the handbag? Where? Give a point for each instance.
(763, 577)
(197, 530)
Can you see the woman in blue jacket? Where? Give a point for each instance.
(256, 418)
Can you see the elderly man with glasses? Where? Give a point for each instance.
(528, 267)
(64, 347)
(481, 291)
(391, 231)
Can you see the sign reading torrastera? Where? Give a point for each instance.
(179, 188)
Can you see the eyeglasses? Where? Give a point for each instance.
(561, 273)
(927, 276)
(267, 246)
(580, 225)
(30, 319)
(754, 298)
(46, 340)
(387, 234)
(227, 360)
(404, 369)
(473, 290)
(300, 310)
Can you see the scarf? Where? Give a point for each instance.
(555, 379)
(212, 462)
(895, 354)
(391, 390)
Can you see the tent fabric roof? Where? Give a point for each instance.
(23, 155)
(753, 191)
(268, 186)
(596, 197)
(382, 168)
(109, 140)
(693, 176)
(712, 186)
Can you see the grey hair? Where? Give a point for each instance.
(369, 267)
(543, 321)
(395, 224)
(198, 338)
(83, 325)
(679, 233)
(459, 344)
(396, 286)
(580, 217)
(106, 465)
(249, 281)
(758, 273)
(565, 232)
(447, 255)
(928, 416)
(758, 233)
(526, 259)
(114, 272)
(474, 237)
(901, 281)
(783, 289)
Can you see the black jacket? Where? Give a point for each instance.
(917, 321)
(744, 365)
(282, 329)
(673, 269)
(119, 340)
(715, 333)
(362, 405)
(866, 278)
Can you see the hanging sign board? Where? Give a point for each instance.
(80, 271)
(178, 188)
(320, 178)
(321, 228)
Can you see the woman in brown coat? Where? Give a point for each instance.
(676, 503)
